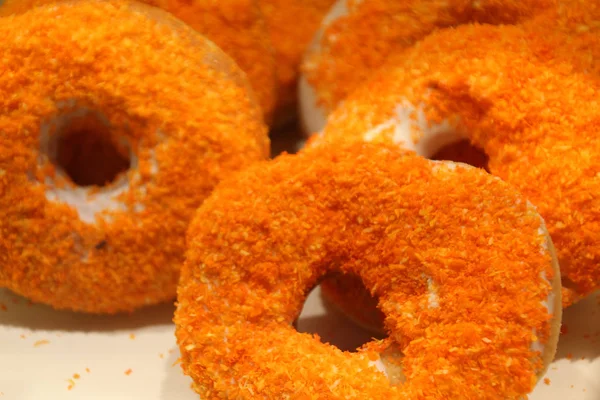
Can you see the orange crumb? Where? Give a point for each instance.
(176, 362)
(41, 343)
(161, 355)
(131, 336)
(3, 307)
(87, 370)
(71, 384)
(547, 381)
(569, 356)
(128, 372)
(76, 376)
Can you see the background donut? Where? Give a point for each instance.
(291, 26)
(358, 36)
(113, 245)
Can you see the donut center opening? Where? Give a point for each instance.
(346, 314)
(85, 150)
(462, 151)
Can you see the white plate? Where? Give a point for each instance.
(134, 357)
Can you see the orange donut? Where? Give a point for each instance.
(535, 121)
(358, 36)
(460, 262)
(164, 114)
(236, 26)
(291, 26)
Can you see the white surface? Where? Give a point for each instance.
(104, 345)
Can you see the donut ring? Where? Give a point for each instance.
(236, 26)
(357, 36)
(434, 241)
(291, 25)
(151, 87)
(536, 123)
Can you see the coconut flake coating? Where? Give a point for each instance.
(182, 106)
(535, 117)
(268, 235)
(236, 26)
(350, 47)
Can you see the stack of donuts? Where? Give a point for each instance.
(134, 170)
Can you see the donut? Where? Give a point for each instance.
(236, 26)
(536, 122)
(291, 26)
(157, 114)
(357, 36)
(461, 264)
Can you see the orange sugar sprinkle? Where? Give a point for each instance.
(161, 355)
(41, 343)
(87, 370)
(76, 376)
(356, 44)
(451, 73)
(191, 125)
(3, 307)
(547, 381)
(402, 224)
(131, 336)
(71, 384)
(569, 356)
(128, 372)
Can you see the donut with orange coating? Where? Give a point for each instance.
(461, 264)
(236, 26)
(536, 120)
(358, 36)
(291, 26)
(111, 138)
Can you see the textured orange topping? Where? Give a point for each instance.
(178, 100)
(265, 237)
(236, 26)
(354, 45)
(536, 122)
(291, 26)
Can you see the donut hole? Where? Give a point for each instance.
(462, 151)
(85, 150)
(338, 298)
